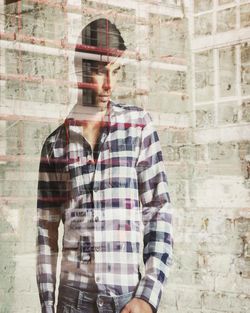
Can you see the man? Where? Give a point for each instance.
(104, 177)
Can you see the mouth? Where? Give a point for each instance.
(104, 98)
(104, 95)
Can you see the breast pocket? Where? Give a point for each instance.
(125, 147)
(120, 170)
(123, 154)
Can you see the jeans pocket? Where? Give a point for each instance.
(70, 309)
(66, 309)
(122, 301)
(63, 308)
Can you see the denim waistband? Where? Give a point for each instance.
(77, 297)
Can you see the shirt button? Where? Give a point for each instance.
(97, 249)
(97, 278)
(85, 258)
(96, 219)
(100, 302)
(95, 189)
(91, 162)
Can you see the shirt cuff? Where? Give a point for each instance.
(150, 291)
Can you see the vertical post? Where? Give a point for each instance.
(142, 30)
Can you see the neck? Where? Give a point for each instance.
(94, 114)
(89, 117)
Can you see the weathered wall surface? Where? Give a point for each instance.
(189, 66)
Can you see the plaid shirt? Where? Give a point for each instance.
(108, 208)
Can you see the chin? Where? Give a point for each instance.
(103, 103)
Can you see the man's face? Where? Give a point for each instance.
(104, 77)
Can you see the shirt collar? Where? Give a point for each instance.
(71, 121)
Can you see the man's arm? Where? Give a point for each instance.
(156, 215)
(49, 201)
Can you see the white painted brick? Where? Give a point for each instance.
(196, 81)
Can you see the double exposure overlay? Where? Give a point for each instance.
(124, 156)
(95, 171)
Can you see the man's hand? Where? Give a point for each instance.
(137, 305)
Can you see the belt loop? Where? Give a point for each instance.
(116, 303)
(79, 299)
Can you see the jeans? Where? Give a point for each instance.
(73, 300)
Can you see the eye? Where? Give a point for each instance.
(101, 71)
(116, 71)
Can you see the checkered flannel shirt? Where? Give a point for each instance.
(125, 195)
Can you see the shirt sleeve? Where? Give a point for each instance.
(156, 216)
(49, 200)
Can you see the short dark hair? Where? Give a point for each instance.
(98, 37)
(102, 37)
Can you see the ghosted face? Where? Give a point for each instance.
(104, 78)
(98, 75)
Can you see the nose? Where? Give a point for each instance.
(106, 81)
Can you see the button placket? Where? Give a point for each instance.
(91, 167)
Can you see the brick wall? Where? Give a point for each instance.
(189, 67)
